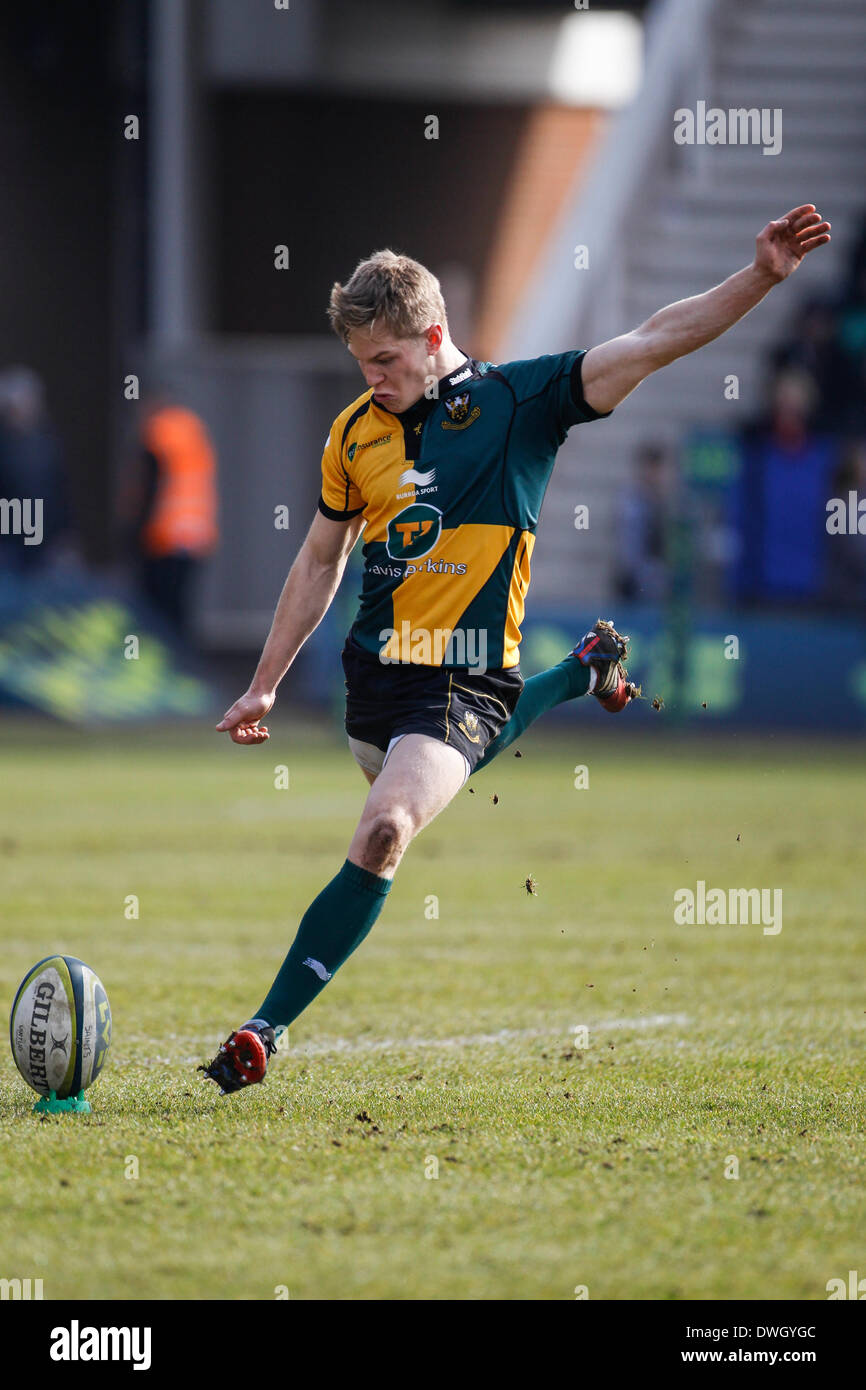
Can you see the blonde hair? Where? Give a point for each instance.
(389, 292)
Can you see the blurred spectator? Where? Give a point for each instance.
(815, 349)
(795, 459)
(169, 505)
(645, 514)
(855, 289)
(31, 468)
(845, 575)
(852, 338)
(782, 502)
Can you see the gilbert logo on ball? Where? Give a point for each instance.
(60, 1032)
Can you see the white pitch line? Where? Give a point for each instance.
(505, 1035)
(343, 1046)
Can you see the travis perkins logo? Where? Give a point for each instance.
(41, 1014)
(458, 409)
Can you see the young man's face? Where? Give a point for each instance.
(396, 368)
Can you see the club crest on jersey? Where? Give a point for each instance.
(458, 409)
(414, 531)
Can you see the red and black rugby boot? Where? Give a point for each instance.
(604, 650)
(243, 1058)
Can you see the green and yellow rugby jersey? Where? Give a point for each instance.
(451, 492)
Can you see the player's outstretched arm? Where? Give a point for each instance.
(611, 371)
(307, 593)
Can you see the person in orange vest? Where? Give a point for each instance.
(175, 511)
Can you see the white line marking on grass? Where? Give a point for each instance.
(466, 1040)
(331, 1046)
(647, 1021)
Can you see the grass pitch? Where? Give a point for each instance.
(438, 1129)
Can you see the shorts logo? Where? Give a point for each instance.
(469, 725)
(458, 409)
(414, 531)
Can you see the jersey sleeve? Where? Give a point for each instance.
(547, 399)
(340, 498)
(548, 393)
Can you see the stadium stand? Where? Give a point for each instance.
(662, 221)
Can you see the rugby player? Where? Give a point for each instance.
(443, 463)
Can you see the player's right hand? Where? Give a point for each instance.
(242, 720)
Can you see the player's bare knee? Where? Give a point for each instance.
(387, 836)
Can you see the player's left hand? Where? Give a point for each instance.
(242, 720)
(782, 245)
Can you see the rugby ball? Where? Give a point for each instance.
(60, 1027)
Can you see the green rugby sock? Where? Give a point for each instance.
(333, 926)
(563, 682)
